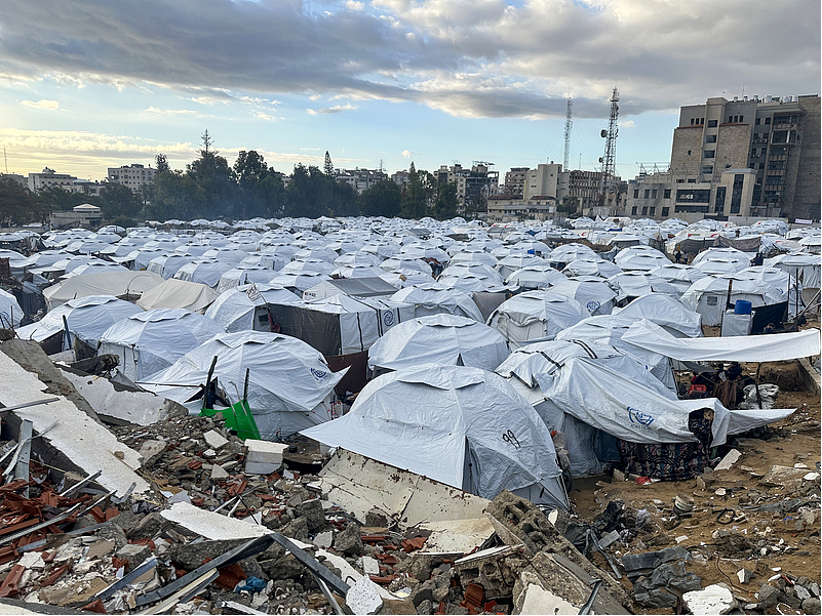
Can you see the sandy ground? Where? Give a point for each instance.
(795, 440)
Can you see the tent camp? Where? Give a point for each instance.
(358, 287)
(593, 266)
(247, 307)
(636, 283)
(290, 384)
(433, 298)
(150, 341)
(174, 293)
(592, 292)
(680, 276)
(534, 277)
(243, 275)
(640, 258)
(803, 267)
(441, 339)
(462, 426)
(107, 283)
(87, 319)
(536, 315)
(204, 271)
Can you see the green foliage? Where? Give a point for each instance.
(328, 166)
(120, 200)
(569, 205)
(383, 199)
(175, 194)
(445, 206)
(415, 196)
(18, 206)
(124, 221)
(55, 198)
(161, 162)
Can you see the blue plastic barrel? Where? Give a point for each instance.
(742, 306)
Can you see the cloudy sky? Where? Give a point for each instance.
(86, 84)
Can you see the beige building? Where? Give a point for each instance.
(49, 178)
(755, 157)
(515, 181)
(542, 181)
(502, 208)
(134, 176)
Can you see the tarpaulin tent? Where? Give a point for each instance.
(665, 311)
(536, 315)
(609, 329)
(203, 270)
(772, 347)
(593, 293)
(243, 275)
(592, 266)
(247, 307)
(150, 341)
(513, 262)
(534, 277)
(10, 311)
(441, 339)
(174, 293)
(680, 276)
(640, 258)
(803, 267)
(167, 265)
(357, 287)
(340, 324)
(464, 427)
(290, 384)
(709, 296)
(433, 298)
(87, 318)
(605, 399)
(634, 284)
(107, 283)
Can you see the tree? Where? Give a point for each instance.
(328, 166)
(261, 191)
(120, 200)
(162, 163)
(445, 206)
(175, 195)
(414, 203)
(18, 205)
(383, 199)
(569, 205)
(215, 179)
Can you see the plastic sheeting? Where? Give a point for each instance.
(709, 296)
(10, 311)
(536, 315)
(441, 339)
(151, 341)
(593, 293)
(771, 347)
(174, 293)
(665, 311)
(108, 283)
(246, 307)
(289, 382)
(462, 426)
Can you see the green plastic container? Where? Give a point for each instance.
(238, 418)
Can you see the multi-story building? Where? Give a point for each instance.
(49, 178)
(503, 208)
(515, 181)
(360, 179)
(400, 178)
(542, 181)
(17, 177)
(586, 186)
(474, 186)
(134, 176)
(749, 157)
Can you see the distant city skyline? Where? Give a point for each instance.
(103, 84)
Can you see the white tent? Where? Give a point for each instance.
(167, 265)
(151, 341)
(593, 293)
(680, 276)
(782, 281)
(10, 311)
(462, 269)
(709, 296)
(441, 339)
(603, 398)
(87, 319)
(536, 315)
(565, 254)
(666, 312)
(107, 283)
(246, 307)
(609, 329)
(289, 387)
(534, 277)
(464, 427)
(204, 271)
(640, 258)
(304, 266)
(243, 275)
(513, 262)
(523, 365)
(174, 293)
(636, 283)
(432, 298)
(803, 267)
(773, 347)
(739, 259)
(593, 266)
(299, 282)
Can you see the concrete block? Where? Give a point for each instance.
(214, 439)
(263, 457)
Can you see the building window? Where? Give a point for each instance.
(736, 195)
(665, 211)
(710, 138)
(741, 118)
(712, 123)
(652, 211)
(666, 194)
(645, 211)
(636, 193)
(702, 120)
(719, 200)
(692, 121)
(757, 121)
(633, 211)
(654, 193)
(709, 153)
(647, 193)
(767, 120)
(689, 152)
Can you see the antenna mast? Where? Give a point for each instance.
(5, 160)
(569, 124)
(608, 160)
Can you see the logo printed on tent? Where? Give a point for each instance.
(318, 374)
(592, 305)
(639, 417)
(388, 319)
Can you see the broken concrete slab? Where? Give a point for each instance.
(713, 599)
(137, 407)
(785, 476)
(731, 458)
(363, 597)
(537, 600)
(214, 439)
(263, 457)
(83, 441)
